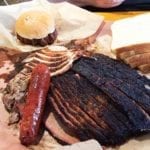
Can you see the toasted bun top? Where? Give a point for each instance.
(34, 24)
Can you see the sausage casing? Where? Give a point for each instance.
(35, 103)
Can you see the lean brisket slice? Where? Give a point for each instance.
(58, 129)
(103, 99)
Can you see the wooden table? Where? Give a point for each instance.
(120, 15)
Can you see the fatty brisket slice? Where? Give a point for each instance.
(129, 91)
(88, 112)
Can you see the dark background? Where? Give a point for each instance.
(127, 5)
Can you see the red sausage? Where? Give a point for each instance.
(35, 103)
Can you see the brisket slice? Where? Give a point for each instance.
(116, 69)
(59, 130)
(76, 120)
(87, 111)
(112, 76)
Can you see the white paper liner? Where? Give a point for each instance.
(71, 21)
(76, 23)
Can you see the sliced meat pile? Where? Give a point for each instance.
(101, 98)
(16, 90)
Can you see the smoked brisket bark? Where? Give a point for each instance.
(123, 85)
(116, 69)
(102, 98)
(79, 128)
(89, 110)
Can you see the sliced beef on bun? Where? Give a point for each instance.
(36, 27)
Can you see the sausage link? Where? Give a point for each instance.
(35, 103)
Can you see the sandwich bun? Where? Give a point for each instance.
(36, 27)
